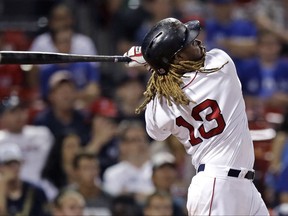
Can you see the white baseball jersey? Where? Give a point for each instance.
(214, 129)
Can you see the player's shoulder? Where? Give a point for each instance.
(217, 58)
(216, 52)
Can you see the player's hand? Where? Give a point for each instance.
(136, 56)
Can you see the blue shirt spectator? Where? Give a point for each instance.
(264, 82)
(61, 116)
(265, 75)
(83, 73)
(234, 34)
(235, 28)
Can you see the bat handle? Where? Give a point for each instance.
(122, 59)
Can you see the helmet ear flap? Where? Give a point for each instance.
(162, 71)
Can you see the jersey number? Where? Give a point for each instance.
(214, 115)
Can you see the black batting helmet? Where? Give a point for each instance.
(165, 39)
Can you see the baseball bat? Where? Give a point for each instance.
(29, 57)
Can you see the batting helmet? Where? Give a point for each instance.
(165, 39)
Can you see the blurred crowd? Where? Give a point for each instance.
(70, 141)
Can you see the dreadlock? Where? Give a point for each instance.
(169, 85)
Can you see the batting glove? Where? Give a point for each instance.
(136, 57)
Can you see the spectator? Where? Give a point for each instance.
(58, 169)
(272, 16)
(85, 76)
(132, 174)
(224, 30)
(281, 208)
(34, 141)
(101, 23)
(157, 10)
(125, 32)
(4, 44)
(11, 76)
(277, 175)
(125, 205)
(164, 178)
(269, 80)
(185, 171)
(106, 22)
(18, 197)
(61, 16)
(28, 10)
(68, 203)
(86, 168)
(280, 156)
(104, 141)
(61, 117)
(14, 39)
(186, 8)
(11, 80)
(164, 171)
(128, 96)
(159, 203)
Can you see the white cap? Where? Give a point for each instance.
(163, 158)
(10, 152)
(58, 77)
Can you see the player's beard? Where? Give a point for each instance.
(203, 50)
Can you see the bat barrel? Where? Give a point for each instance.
(22, 57)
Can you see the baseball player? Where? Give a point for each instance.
(196, 96)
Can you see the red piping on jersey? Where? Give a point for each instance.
(190, 81)
(212, 196)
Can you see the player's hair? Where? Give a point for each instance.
(169, 84)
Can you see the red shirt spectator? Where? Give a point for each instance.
(11, 80)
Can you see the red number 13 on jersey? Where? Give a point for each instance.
(214, 115)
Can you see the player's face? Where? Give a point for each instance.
(192, 52)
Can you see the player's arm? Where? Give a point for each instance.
(154, 121)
